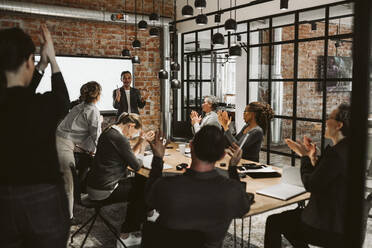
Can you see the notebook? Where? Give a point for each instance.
(147, 160)
(290, 186)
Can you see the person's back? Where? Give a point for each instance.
(31, 191)
(205, 202)
(200, 199)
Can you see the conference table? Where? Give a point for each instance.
(262, 203)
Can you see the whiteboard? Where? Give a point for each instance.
(79, 70)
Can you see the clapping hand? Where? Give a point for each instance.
(145, 95)
(149, 136)
(307, 148)
(158, 145)
(224, 119)
(118, 95)
(235, 153)
(195, 118)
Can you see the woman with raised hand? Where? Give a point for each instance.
(33, 204)
(257, 116)
(81, 127)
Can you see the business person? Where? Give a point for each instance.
(321, 222)
(126, 98)
(257, 116)
(209, 108)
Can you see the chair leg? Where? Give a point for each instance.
(112, 229)
(77, 231)
(89, 230)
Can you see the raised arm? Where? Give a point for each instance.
(141, 101)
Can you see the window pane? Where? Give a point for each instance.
(308, 55)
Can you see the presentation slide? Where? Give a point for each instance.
(80, 70)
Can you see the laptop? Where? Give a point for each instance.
(289, 187)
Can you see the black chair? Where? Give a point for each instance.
(181, 131)
(155, 236)
(97, 206)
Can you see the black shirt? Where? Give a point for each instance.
(28, 128)
(205, 202)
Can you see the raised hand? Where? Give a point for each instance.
(235, 153)
(158, 145)
(196, 119)
(48, 48)
(311, 147)
(118, 95)
(145, 95)
(224, 119)
(299, 148)
(149, 136)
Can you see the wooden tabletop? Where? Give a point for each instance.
(262, 203)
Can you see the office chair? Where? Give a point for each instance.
(97, 206)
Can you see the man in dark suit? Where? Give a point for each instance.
(127, 94)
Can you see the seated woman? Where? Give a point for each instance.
(106, 180)
(81, 127)
(209, 107)
(257, 117)
(321, 222)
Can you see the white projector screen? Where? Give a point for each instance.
(79, 70)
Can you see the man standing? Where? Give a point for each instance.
(128, 99)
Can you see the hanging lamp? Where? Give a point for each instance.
(218, 38)
(187, 10)
(136, 43)
(125, 52)
(230, 24)
(142, 25)
(163, 74)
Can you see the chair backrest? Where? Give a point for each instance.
(155, 235)
(182, 129)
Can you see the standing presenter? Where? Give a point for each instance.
(128, 99)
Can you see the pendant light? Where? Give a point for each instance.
(283, 4)
(200, 4)
(136, 43)
(163, 74)
(154, 16)
(154, 31)
(230, 24)
(187, 10)
(201, 19)
(218, 38)
(136, 60)
(125, 52)
(235, 50)
(142, 25)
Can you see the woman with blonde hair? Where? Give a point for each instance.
(81, 127)
(257, 116)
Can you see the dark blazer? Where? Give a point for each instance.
(327, 183)
(135, 101)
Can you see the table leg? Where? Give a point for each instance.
(242, 240)
(249, 232)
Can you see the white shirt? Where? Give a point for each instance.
(127, 93)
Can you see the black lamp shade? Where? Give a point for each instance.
(201, 19)
(136, 60)
(154, 32)
(187, 11)
(200, 4)
(217, 18)
(125, 53)
(218, 39)
(154, 17)
(142, 25)
(235, 51)
(175, 83)
(283, 4)
(172, 28)
(230, 25)
(313, 26)
(175, 66)
(136, 44)
(163, 74)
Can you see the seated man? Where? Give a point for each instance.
(200, 199)
(321, 222)
(211, 118)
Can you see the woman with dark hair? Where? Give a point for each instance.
(321, 222)
(107, 179)
(33, 204)
(81, 127)
(257, 116)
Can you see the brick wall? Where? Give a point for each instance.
(72, 36)
(309, 97)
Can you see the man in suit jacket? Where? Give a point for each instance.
(127, 94)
